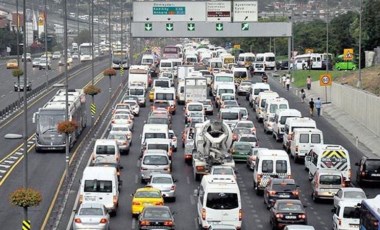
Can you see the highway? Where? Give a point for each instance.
(255, 213)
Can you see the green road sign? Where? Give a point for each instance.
(190, 26)
(169, 26)
(245, 26)
(219, 27)
(148, 27)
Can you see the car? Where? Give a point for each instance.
(56, 55)
(248, 125)
(240, 151)
(285, 212)
(208, 106)
(75, 55)
(244, 87)
(121, 140)
(123, 118)
(144, 197)
(122, 128)
(238, 131)
(28, 57)
(36, 62)
(156, 217)
(19, 84)
(12, 64)
(159, 119)
(154, 161)
(222, 170)
(368, 170)
(346, 215)
(44, 64)
(280, 189)
(69, 61)
(250, 138)
(121, 106)
(349, 193)
(134, 105)
(91, 216)
(229, 104)
(197, 116)
(165, 183)
(174, 139)
(161, 104)
(251, 158)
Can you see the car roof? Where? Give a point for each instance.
(91, 205)
(279, 181)
(147, 188)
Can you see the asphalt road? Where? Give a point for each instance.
(255, 213)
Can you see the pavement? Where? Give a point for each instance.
(364, 139)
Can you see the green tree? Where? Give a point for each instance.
(370, 24)
(342, 32)
(8, 38)
(83, 36)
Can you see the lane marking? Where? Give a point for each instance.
(5, 166)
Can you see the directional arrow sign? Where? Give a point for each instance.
(244, 26)
(169, 27)
(148, 27)
(190, 26)
(219, 27)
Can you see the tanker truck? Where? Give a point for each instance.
(213, 138)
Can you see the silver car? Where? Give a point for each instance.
(121, 139)
(165, 183)
(91, 216)
(154, 161)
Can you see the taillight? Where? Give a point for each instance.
(301, 216)
(349, 174)
(240, 214)
(200, 168)
(203, 214)
(103, 221)
(113, 121)
(363, 173)
(80, 198)
(142, 169)
(114, 200)
(259, 176)
(168, 223)
(296, 148)
(272, 193)
(136, 203)
(173, 187)
(77, 220)
(295, 193)
(159, 203)
(144, 222)
(279, 216)
(339, 221)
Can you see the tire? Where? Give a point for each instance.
(315, 199)
(197, 177)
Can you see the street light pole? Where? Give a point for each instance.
(46, 48)
(109, 34)
(360, 45)
(92, 54)
(67, 149)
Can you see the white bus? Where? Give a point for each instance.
(85, 52)
(316, 60)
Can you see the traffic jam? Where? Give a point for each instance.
(219, 133)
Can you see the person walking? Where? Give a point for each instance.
(311, 106)
(283, 80)
(303, 95)
(318, 106)
(308, 82)
(287, 82)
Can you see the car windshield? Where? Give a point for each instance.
(195, 107)
(148, 194)
(230, 116)
(245, 125)
(284, 187)
(120, 128)
(159, 146)
(117, 136)
(222, 200)
(161, 180)
(242, 147)
(155, 135)
(90, 212)
(155, 160)
(248, 139)
(242, 131)
(372, 165)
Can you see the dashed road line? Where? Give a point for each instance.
(19, 153)
(9, 162)
(3, 171)
(188, 180)
(192, 200)
(13, 157)
(5, 166)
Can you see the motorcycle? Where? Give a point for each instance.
(264, 78)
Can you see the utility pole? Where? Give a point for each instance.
(109, 33)
(67, 149)
(360, 45)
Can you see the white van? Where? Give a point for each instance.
(154, 131)
(255, 90)
(346, 215)
(273, 104)
(181, 93)
(107, 149)
(269, 60)
(166, 65)
(280, 119)
(148, 59)
(295, 123)
(240, 74)
(191, 59)
(303, 140)
(221, 79)
(219, 201)
(246, 59)
(230, 116)
(100, 185)
(261, 101)
(223, 89)
(270, 163)
(330, 157)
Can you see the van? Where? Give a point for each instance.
(154, 131)
(221, 79)
(270, 60)
(158, 143)
(325, 183)
(100, 185)
(191, 59)
(295, 123)
(181, 93)
(106, 149)
(166, 66)
(270, 163)
(303, 140)
(240, 74)
(255, 90)
(261, 101)
(148, 59)
(219, 201)
(246, 59)
(346, 215)
(329, 157)
(280, 119)
(258, 68)
(230, 116)
(272, 105)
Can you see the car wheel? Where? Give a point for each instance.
(314, 198)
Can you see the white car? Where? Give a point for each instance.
(69, 61)
(43, 64)
(123, 128)
(165, 183)
(134, 105)
(174, 139)
(250, 138)
(349, 193)
(122, 118)
(248, 125)
(56, 55)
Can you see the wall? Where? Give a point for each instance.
(362, 106)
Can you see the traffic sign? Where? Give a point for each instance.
(244, 26)
(93, 108)
(325, 79)
(26, 225)
(237, 46)
(148, 27)
(309, 51)
(348, 54)
(219, 26)
(121, 70)
(190, 26)
(169, 26)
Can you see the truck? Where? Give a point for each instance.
(213, 138)
(195, 89)
(184, 70)
(138, 74)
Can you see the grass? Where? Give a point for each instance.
(301, 75)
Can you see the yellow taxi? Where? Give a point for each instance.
(151, 95)
(12, 64)
(146, 196)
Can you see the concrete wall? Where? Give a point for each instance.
(362, 106)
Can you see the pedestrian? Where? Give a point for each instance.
(318, 106)
(283, 80)
(308, 82)
(303, 95)
(287, 83)
(311, 106)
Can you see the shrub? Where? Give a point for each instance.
(92, 90)
(67, 127)
(25, 197)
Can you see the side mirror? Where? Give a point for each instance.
(132, 194)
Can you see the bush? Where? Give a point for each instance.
(25, 197)
(109, 72)
(92, 90)
(17, 72)
(67, 127)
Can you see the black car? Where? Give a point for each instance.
(19, 84)
(281, 65)
(280, 189)
(286, 212)
(156, 217)
(368, 171)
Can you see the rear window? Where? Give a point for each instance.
(195, 107)
(315, 138)
(330, 179)
(284, 187)
(97, 186)
(281, 166)
(372, 165)
(155, 135)
(222, 200)
(351, 213)
(304, 138)
(105, 149)
(257, 91)
(164, 84)
(267, 166)
(158, 146)
(240, 74)
(230, 116)
(155, 160)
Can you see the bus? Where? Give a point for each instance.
(119, 59)
(52, 113)
(370, 214)
(316, 60)
(85, 52)
(171, 51)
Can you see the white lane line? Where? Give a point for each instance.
(133, 223)
(13, 157)
(3, 171)
(19, 153)
(196, 223)
(188, 180)
(136, 179)
(9, 162)
(192, 200)
(5, 166)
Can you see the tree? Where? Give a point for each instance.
(8, 38)
(83, 36)
(370, 24)
(25, 197)
(342, 32)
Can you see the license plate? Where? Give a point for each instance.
(284, 196)
(290, 217)
(354, 225)
(147, 204)
(90, 198)
(375, 174)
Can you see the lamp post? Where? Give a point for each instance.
(92, 54)
(109, 33)
(46, 49)
(360, 45)
(67, 149)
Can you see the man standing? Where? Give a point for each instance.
(318, 106)
(311, 106)
(308, 82)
